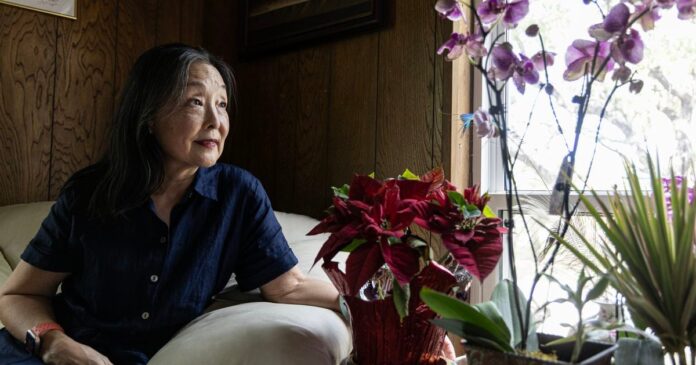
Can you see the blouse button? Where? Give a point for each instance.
(154, 278)
(145, 315)
(163, 239)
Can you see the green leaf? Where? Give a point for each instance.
(456, 198)
(598, 289)
(488, 212)
(470, 211)
(416, 243)
(468, 332)
(408, 175)
(371, 175)
(503, 297)
(393, 240)
(401, 297)
(561, 341)
(638, 352)
(341, 192)
(489, 310)
(353, 245)
(451, 308)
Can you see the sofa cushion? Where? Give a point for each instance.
(5, 271)
(260, 333)
(19, 224)
(296, 226)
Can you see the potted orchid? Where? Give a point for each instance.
(612, 48)
(377, 223)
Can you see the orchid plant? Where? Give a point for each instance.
(374, 220)
(613, 47)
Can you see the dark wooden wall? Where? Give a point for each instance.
(309, 118)
(312, 117)
(59, 79)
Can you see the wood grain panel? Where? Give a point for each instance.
(136, 34)
(191, 22)
(220, 28)
(287, 89)
(353, 113)
(442, 99)
(168, 21)
(235, 147)
(27, 46)
(405, 91)
(311, 182)
(259, 139)
(84, 88)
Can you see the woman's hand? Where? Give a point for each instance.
(59, 349)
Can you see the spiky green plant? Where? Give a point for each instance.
(649, 257)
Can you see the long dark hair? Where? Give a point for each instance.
(132, 166)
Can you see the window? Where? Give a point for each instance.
(660, 118)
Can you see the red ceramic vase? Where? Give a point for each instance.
(380, 337)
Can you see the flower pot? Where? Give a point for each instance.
(380, 337)
(592, 353)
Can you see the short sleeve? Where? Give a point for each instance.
(50, 249)
(264, 253)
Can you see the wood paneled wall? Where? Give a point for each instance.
(309, 118)
(312, 117)
(59, 79)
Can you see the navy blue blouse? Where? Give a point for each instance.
(134, 282)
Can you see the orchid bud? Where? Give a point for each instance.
(549, 89)
(532, 30)
(636, 86)
(622, 74)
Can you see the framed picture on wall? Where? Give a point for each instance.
(271, 25)
(63, 8)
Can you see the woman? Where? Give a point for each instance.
(143, 239)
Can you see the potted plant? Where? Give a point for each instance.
(492, 330)
(375, 221)
(649, 255)
(613, 48)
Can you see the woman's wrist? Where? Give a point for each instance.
(48, 340)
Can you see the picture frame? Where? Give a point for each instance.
(62, 8)
(274, 25)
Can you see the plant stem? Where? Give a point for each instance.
(579, 334)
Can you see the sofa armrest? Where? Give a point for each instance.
(260, 333)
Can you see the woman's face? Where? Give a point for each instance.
(192, 132)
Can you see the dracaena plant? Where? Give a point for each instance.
(374, 221)
(649, 255)
(613, 46)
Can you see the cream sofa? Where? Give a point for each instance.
(238, 328)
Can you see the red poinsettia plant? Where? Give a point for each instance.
(374, 220)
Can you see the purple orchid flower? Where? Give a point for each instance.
(525, 73)
(667, 188)
(665, 4)
(511, 11)
(484, 126)
(522, 69)
(647, 21)
(628, 48)
(686, 8)
(614, 24)
(458, 43)
(538, 59)
(504, 61)
(626, 44)
(449, 9)
(579, 57)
